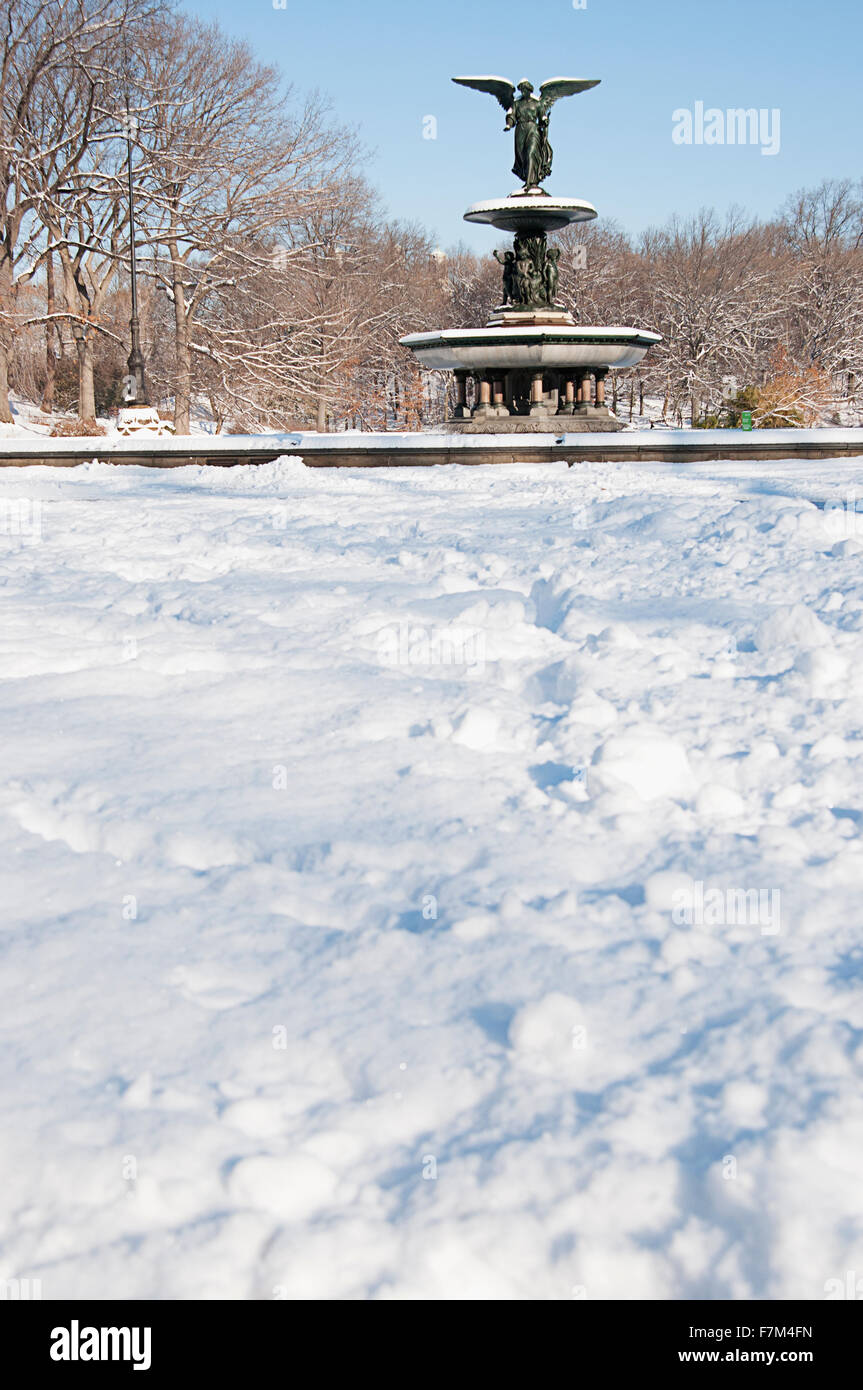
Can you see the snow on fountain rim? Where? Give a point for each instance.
(584, 332)
(543, 203)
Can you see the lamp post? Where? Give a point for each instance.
(136, 381)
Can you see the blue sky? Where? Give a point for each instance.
(386, 65)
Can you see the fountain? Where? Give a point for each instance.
(535, 370)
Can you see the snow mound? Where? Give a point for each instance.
(647, 761)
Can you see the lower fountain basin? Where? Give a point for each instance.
(481, 349)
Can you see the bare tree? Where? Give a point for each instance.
(822, 232)
(45, 46)
(706, 288)
(229, 163)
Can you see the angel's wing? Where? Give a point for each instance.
(557, 87)
(495, 86)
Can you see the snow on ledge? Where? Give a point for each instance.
(101, 447)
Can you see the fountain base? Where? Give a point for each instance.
(533, 379)
(590, 421)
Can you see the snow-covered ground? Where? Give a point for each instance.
(432, 883)
(31, 422)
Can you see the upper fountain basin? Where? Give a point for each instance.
(475, 349)
(531, 212)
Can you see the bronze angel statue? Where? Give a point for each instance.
(529, 115)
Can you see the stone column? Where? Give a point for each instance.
(483, 408)
(461, 410)
(583, 392)
(497, 394)
(601, 374)
(568, 405)
(537, 398)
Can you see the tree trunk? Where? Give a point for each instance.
(183, 354)
(86, 389)
(5, 409)
(50, 359)
(5, 339)
(321, 423)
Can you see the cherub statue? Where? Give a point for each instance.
(529, 116)
(507, 260)
(552, 273)
(525, 279)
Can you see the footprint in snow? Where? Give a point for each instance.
(216, 989)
